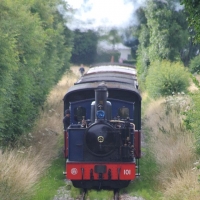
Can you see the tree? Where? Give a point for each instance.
(194, 65)
(34, 53)
(85, 47)
(163, 34)
(193, 9)
(167, 35)
(8, 67)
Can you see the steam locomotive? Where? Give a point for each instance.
(102, 145)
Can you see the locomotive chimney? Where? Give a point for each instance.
(101, 101)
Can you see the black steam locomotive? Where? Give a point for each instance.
(103, 141)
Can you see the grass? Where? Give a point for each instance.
(101, 195)
(167, 165)
(145, 185)
(51, 181)
(50, 125)
(172, 148)
(184, 186)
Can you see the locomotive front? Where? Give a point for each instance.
(100, 137)
(102, 151)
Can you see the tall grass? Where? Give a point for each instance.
(172, 147)
(185, 186)
(22, 167)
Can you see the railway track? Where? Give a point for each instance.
(83, 196)
(116, 195)
(64, 194)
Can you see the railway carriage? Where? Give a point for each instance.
(102, 145)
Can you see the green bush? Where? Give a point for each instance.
(165, 78)
(192, 118)
(194, 65)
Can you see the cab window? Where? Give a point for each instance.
(79, 112)
(123, 112)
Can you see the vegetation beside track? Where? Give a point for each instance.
(50, 182)
(161, 123)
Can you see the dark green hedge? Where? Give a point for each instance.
(33, 56)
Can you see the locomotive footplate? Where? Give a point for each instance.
(98, 171)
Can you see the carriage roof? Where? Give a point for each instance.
(116, 76)
(110, 72)
(112, 67)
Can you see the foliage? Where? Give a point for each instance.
(163, 34)
(193, 9)
(194, 65)
(33, 56)
(31, 161)
(143, 59)
(8, 63)
(168, 34)
(85, 47)
(192, 118)
(165, 78)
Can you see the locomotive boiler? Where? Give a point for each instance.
(103, 142)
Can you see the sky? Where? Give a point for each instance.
(103, 13)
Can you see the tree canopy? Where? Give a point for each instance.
(163, 34)
(193, 9)
(84, 46)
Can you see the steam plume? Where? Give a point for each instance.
(93, 14)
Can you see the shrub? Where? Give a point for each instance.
(192, 118)
(165, 78)
(194, 65)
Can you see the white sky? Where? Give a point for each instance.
(103, 13)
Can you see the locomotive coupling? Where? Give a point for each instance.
(64, 173)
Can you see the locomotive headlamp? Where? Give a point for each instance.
(100, 114)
